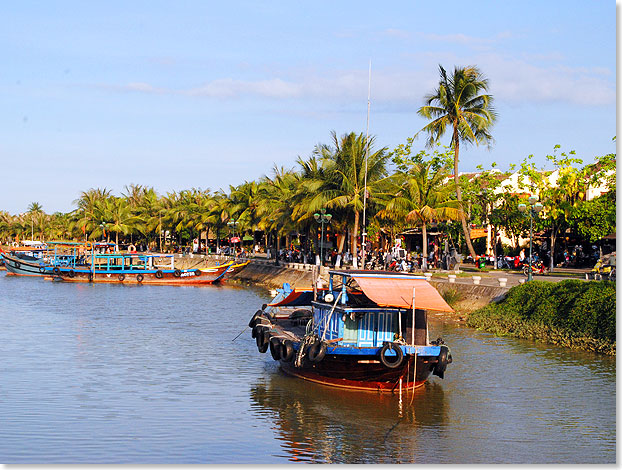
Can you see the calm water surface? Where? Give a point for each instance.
(150, 374)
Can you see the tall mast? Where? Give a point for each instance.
(363, 254)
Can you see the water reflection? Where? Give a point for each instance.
(320, 424)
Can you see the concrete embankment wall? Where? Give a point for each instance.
(467, 296)
(298, 275)
(271, 276)
(471, 291)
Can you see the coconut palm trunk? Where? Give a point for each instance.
(465, 228)
(458, 105)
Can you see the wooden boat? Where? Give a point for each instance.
(33, 261)
(136, 268)
(367, 331)
(235, 269)
(21, 264)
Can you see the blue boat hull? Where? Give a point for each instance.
(23, 267)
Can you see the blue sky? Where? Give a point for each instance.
(201, 94)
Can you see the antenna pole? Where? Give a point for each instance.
(363, 254)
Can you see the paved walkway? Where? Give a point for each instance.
(491, 278)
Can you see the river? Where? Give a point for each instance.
(150, 374)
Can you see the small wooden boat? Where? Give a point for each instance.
(235, 269)
(136, 268)
(367, 331)
(21, 264)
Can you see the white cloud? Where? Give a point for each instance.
(511, 80)
(518, 81)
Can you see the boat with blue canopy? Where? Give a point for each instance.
(34, 259)
(136, 268)
(368, 330)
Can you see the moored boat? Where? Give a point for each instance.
(235, 269)
(34, 260)
(367, 331)
(137, 268)
(21, 264)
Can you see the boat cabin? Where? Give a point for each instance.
(365, 309)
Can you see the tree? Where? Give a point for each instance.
(421, 195)
(458, 104)
(559, 191)
(344, 169)
(595, 219)
(35, 210)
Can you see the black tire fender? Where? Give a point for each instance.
(197, 272)
(254, 319)
(262, 339)
(177, 273)
(317, 351)
(41, 269)
(391, 363)
(443, 360)
(159, 274)
(121, 277)
(72, 273)
(140, 277)
(275, 348)
(287, 351)
(56, 270)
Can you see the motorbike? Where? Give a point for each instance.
(537, 267)
(502, 263)
(601, 270)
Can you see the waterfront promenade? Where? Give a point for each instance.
(299, 274)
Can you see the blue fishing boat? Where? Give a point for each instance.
(33, 260)
(367, 331)
(136, 268)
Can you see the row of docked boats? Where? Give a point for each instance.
(99, 263)
(368, 331)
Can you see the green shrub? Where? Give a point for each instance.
(452, 296)
(569, 313)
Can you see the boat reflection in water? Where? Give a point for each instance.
(320, 424)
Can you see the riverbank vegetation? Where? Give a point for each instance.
(572, 313)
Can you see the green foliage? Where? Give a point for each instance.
(596, 218)
(452, 296)
(570, 313)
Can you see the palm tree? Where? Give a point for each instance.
(36, 212)
(344, 173)
(422, 197)
(276, 196)
(88, 213)
(458, 105)
(119, 217)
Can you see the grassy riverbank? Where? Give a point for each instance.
(574, 314)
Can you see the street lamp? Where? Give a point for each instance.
(534, 208)
(322, 218)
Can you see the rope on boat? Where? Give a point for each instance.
(304, 344)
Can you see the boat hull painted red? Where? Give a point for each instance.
(363, 373)
(150, 278)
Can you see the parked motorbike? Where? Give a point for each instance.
(601, 270)
(537, 267)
